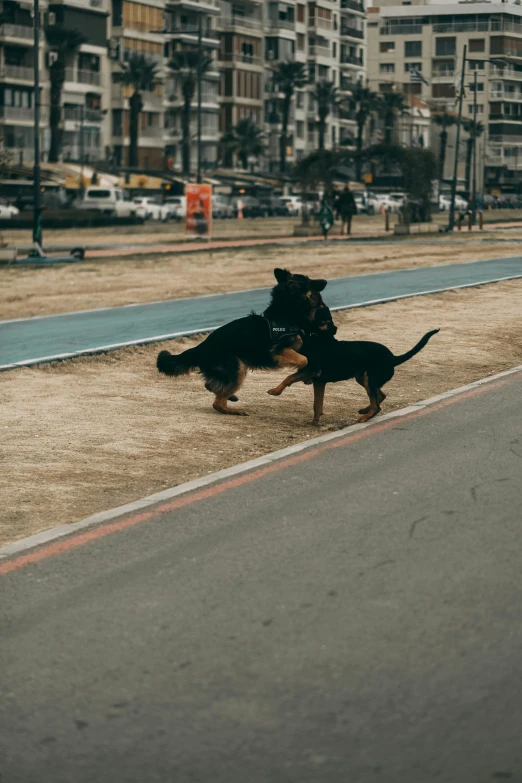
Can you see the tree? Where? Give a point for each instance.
(392, 105)
(62, 43)
(184, 63)
(326, 96)
(418, 167)
(363, 102)
(288, 77)
(141, 74)
(443, 121)
(245, 139)
(474, 129)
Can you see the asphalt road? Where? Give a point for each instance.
(32, 340)
(355, 616)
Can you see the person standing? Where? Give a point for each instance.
(326, 217)
(347, 209)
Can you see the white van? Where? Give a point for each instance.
(109, 201)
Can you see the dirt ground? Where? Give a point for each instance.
(90, 434)
(28, 292)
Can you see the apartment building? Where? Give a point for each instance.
(430, 38)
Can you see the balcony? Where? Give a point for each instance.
(446, 75)
(89, 115)
(508, 117)
(240, 58)
(151, 58)
(231, 23)
(318, 51)
(319, 22)
(353, 5)
(352, 32)
(152, 132)
(210, 6)
(17, 31)
(349, 59)
(401, 29)
(281, 24)
(21, 73)
(19, 114)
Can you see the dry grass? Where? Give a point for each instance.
(92, 433)
(29, 292)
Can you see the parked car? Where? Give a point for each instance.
(110, 201)
(7, 211)
(177, 206)
(292, 205)
(222, 207)
(152, 209)
(445, 203)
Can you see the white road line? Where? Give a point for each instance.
(204, 330)
(54, 533)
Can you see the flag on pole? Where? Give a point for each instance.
(416, 77)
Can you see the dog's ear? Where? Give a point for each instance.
(318, 285)
(282, 275)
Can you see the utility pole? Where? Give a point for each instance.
(451, 223)
(200, 58)
(474, 131)
(82, 149)
(37, 214)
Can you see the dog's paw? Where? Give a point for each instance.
(275, 392)
(233, 398)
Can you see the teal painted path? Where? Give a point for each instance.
(33, 340)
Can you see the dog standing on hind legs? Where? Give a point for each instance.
(266, 341)
(331, 360)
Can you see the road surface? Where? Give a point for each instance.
(354, 615)
(29, 341)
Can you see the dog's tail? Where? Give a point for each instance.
(416, 348)
(178, 364)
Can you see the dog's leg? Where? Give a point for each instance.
(360, 381)
(290, 356)
(373, 395)
(225, 389)
(319, 387)
(301, 375)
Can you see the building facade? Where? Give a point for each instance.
(244, 40)
(431, 38)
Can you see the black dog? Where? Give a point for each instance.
(330, 360)
(263, 341)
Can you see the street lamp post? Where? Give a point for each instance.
(451, 222)
(200, 63)
(37, 214)
(474, 186)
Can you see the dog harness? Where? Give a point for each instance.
(280, 329)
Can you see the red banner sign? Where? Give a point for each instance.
(198, 220)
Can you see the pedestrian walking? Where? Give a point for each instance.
(326, 217)
(347, 209)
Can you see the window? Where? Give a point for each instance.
(480, 108)
(477, 45)
(300, 13)
(334, 49)
(412, 67)
(480, 87)
(476, 65)
(387, 68)
(299, 100)
(443, 68)
(387, 46)
(117, 122)
(445, 46)
(299, 129)
(443, 90)
(300, 42)
(413, 48)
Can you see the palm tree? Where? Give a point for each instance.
(392, 105)
(326, 96)
(62, 43)
(474, 129)
(443, 121)
(363, 102)
(141, 74)
(184, 63)
(245, 139)
(287, 77)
